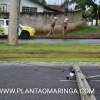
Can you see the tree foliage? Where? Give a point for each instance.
(42, 1)
(88, 7)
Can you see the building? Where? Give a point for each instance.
(31, 7)
(37, 15)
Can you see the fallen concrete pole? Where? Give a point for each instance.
(85, 90)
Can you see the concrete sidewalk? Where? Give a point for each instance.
(58, 41)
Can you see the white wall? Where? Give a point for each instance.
(27, 3)
(5, 2)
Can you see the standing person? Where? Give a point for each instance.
(65, 26)
(53, 23)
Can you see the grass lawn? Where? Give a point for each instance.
(50, 53)
(84, 30)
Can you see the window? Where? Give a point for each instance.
(3, 8)
(1, 22)
(29, 10)
(7, 22)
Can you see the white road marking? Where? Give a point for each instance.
(95, 80)
(67, 80)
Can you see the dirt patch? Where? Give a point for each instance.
(44, 30)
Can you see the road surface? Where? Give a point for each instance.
(39, 76)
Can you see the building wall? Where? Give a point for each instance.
(45, 20)
(29, 3)
(26, 3)
(41, 20)
(5, 2)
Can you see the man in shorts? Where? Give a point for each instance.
(65, 26)
(53, 23)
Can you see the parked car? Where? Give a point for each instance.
(24, 32)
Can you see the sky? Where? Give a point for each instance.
(54, 1)
(59, 1)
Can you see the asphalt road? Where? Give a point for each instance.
(34, 76)
(15, 76)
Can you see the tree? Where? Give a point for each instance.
(66, 4)
(42, 1)
(84, 4)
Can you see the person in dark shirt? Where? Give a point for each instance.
(52, 27)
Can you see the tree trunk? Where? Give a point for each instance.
(96, 22)
(97, 17)
(13, 22)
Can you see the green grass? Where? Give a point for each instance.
(50, 52)
(84, 30)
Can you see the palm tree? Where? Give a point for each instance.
(42, 1)
(66, 5)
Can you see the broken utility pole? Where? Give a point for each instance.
(13, 22)
(83, 85)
